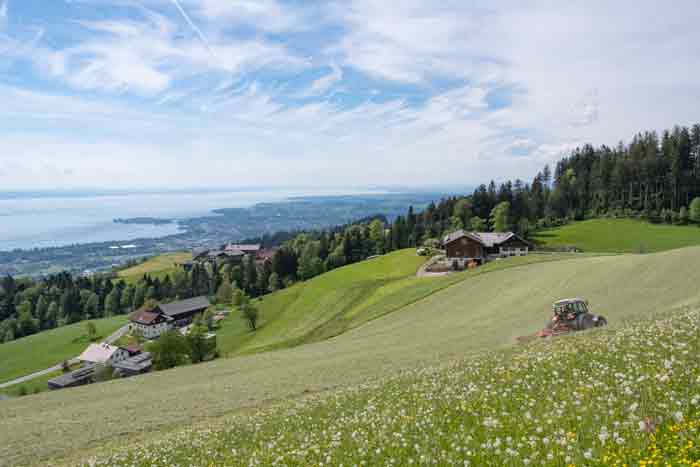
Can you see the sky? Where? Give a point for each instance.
(202, 93)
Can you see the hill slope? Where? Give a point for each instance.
(484, 312)
(620, 236)
(577, 398)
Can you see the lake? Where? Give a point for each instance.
(37, 220)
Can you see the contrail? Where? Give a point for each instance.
(193, 26)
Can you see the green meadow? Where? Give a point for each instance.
(619, 236)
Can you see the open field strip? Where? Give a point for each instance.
(620, 236)
(158, 266)
(602, 398)
(484, 313)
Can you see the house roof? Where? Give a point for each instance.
(136, 363)
(69, 379)
(244, 247)
(143, 316)
(487, 239)
(184, 306)
(98, 353)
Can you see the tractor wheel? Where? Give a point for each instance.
(601, 322)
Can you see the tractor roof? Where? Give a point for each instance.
(569, 300)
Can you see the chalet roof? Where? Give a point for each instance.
(184, 306)
(490, 239)
(136, 363)
(98, 353)
(487, 239)
(244, 247)
(143, 316)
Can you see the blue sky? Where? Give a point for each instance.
(163, 93)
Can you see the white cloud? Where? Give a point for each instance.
(146, 57)
(266, 15)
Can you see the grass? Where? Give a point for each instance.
(619, 236)
(344, 299)
(158, 266)
(484, 313)
(45, 349)
(594, 399)
(33, 386)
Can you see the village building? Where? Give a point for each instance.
(79, 377)
(480, 247)
(103, 354)
(151, 323)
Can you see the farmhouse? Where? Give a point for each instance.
(151, 323)
(483, 246)
(246, 249)
(103, 354)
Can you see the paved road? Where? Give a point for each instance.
(113, 337)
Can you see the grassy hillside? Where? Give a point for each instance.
(158, 266)
(342, 299)
(48, 348)
(620, 236)
(594, 399)
(485, 312)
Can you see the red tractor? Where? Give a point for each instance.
(571, 315)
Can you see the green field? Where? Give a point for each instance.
(45, 349)
(158, 266)
(485, 312)
(343, 299)
(619, 236)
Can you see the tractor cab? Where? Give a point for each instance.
(569, 309)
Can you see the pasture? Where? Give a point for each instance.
(484, 313)
(158, 266)
(343, 299)
(619, 236)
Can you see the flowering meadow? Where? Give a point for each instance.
(620, 397)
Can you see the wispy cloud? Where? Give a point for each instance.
(323, 84)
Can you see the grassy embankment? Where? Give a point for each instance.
(483, 313)
(45, 349)
(620, 236)
(158, 266)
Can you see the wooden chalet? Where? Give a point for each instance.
(481, 247)
(166, 316)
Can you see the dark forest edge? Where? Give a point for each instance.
(656, 178)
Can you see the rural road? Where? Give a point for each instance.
(112, 337)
